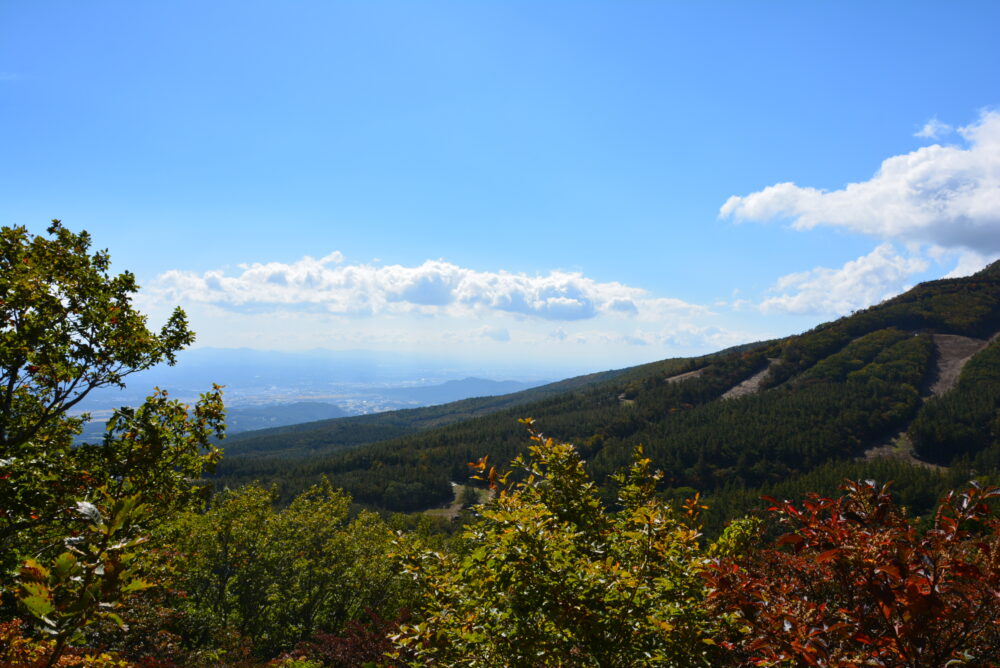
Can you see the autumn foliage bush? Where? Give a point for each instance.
(359, 644)
(20, 650)
(550, 576)
(854, 583)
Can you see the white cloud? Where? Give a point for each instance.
(327, 285)
(933, 129)
(944, 195)
(437, 307)
(967, 262)
(558, 334)
(678, 336)
(494, 333)
(690, 336)
(858, 284)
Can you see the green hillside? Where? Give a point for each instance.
(326, 436)
(817, 402)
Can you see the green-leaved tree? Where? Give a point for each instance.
(72, 518)
(552, 578)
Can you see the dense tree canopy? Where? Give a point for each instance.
(552, 578)
(74, 517)
(67, 326)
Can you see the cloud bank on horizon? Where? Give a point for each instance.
(435, 287)
(329, 301)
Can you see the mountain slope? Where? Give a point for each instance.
(274, 415)
(810, 403)
(310, 439)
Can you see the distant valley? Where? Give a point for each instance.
(255, 407)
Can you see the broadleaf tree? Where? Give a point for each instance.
(551, 577)
(72, 517)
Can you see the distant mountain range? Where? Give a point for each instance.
(455, 390)
(359, 381)
(907, 390)
(267, 415)
(249, 418)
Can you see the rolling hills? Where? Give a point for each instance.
(916, 377)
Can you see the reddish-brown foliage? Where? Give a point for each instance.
(854, 583)
(360, 644)
(18, 650)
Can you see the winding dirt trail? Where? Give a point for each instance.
(679, 378)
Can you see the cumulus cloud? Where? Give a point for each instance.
(330, 286)
(967, 263)
(933, 129)
(495, 333)
(858, 284)
(710, 337)
(678, 335)
(943, 195)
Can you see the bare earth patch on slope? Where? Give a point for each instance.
(453, 510)
(953, 352)
(679, 378)
(752, 384)
(685, 376)
(899, 446)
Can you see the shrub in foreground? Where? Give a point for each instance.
(854, 583)
(553, 578)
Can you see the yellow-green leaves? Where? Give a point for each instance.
(88, 580)
(67, 327)
(277, 575)
(552, 577)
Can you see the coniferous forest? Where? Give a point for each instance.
(827, 499)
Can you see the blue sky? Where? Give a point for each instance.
(597, 182)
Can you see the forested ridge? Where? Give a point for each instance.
(828, 395)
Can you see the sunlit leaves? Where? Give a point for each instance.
(551, 577)
(854, 583)
(77, 515)
(277, 576)
(67, 326)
